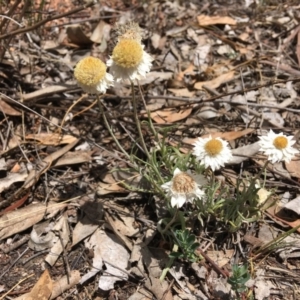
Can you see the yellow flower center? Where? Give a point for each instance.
(127, 53)
(280, 142)
(90, 71)
(213, 147)
(183, 183)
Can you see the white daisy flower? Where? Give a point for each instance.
(212, 152)
(278, 147)
(91, 76)
(129, 60)
(183, 188)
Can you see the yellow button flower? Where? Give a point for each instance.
(91, 75)
(129, 60)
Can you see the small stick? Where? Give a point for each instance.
(213, 264)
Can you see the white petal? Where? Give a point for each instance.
(176, 172)
(121, 73)
(178, 201)
(274, 154)
(214, 162)
(167, 185)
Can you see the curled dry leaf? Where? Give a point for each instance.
(220, 287)
(294, 168)
(13, 142)
(205, 20)
(60, 286)
(292, 251)
(82, 230)
(274, 119)
(3, 164)
(48, 138)
(62, 233)
(41, 237)
(182, 92)
(155, 77)
(262, 290)
(15, 204)
(298, 44)
(216, 82)
(221, 258)
(109, 252)
(282, 217)
(155, 40)
(12, 178)
(75, 157)
(208, 112)
(101, 33)
(262, 287)
(189, 70)
(104, 188)
(23, 218)
(170, 115)
(6, 109)
(89, 223)
(112, 183)
(125, 224)
(153, 105)
(125, 240)
(130, 178)
(42, 290)
(294, 205)
(178, 273)
(65, 283)
(77, 36)
(145, 262)
(254, 241)
(201, 53)
(45, 92)
(16, 168)
(243, 153)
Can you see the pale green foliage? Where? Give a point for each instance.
(186, 245)
(233, 208)
(240, 275)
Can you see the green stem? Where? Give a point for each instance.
(263, 169)
(170, 223)
(110, 130)
(138, 125)
(169, 265)
(137, 121)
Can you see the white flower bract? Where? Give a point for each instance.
(128, 59)
(127, 66)
(212, 152)
(90, 73)
(278, 147)
(183, 188)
